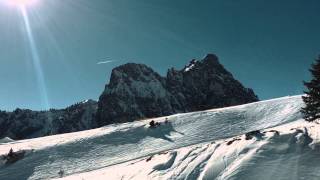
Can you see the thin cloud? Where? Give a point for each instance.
(105, 62)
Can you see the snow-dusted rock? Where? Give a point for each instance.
(135, 91)
(24, 123)
(6, 140)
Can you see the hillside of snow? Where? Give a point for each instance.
(199, 145)
(284, 152)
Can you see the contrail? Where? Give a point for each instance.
(105, 62)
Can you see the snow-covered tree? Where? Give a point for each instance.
(311, 110)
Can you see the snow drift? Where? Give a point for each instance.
(199, 145)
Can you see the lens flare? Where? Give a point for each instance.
(21, 2)
(35, 59)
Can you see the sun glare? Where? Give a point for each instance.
(21, 2)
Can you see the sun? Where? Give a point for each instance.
(21, 2)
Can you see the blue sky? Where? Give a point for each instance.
(267, 44)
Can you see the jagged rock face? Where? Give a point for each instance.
(23, 123)
(207, 84)
(135, 91)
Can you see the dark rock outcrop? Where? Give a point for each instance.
(135, 91)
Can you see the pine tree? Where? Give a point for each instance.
(311, 110)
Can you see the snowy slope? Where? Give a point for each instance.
(291, 154)
(183, 148)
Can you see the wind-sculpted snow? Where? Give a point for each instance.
(287, 152)
(284, 158)
(105, 147)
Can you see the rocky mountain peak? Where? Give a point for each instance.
(136, 91)
(211, 57)
(25, 123)
(132, 72)
(89, 102)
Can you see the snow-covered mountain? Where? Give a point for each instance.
(136, 91)
(213, 144)
(24, 123)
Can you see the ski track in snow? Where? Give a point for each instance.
(181, 149)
